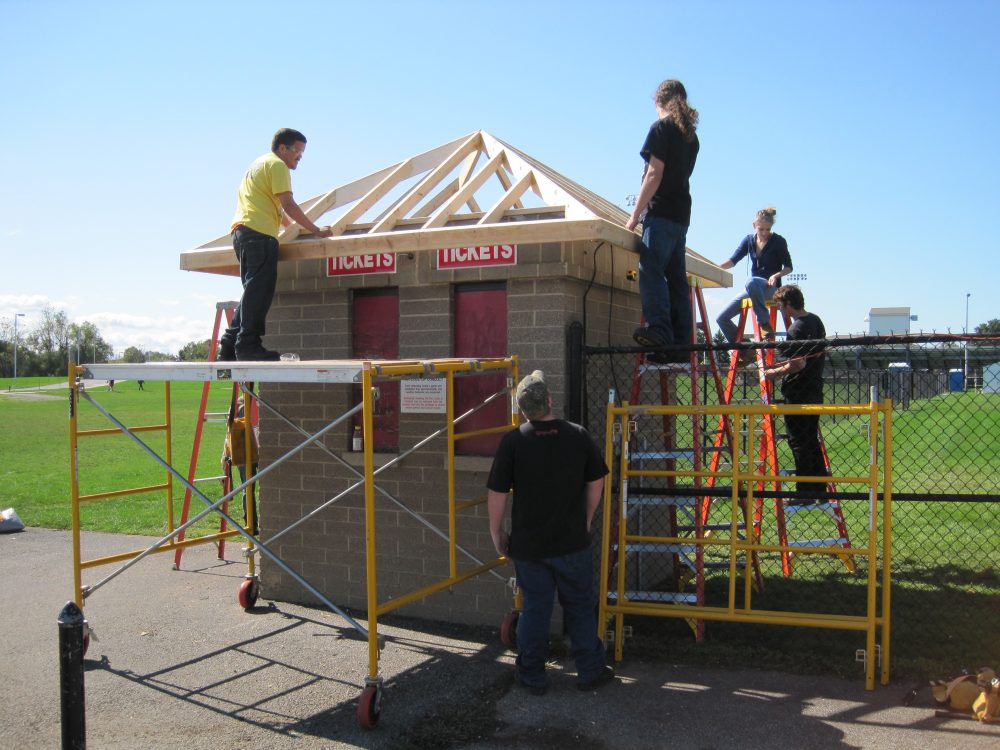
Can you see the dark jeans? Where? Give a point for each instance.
(663, 284)
(803, 439)
(539, 580)
(258, 257)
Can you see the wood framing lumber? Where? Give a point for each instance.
(423, 240)
(411, 199)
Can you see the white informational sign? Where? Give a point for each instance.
(423, 396)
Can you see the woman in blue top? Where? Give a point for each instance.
(769, 261)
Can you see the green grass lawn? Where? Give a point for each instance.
(34, 456)
(29, 382)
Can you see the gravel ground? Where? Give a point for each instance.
(179, 663)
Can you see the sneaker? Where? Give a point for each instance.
(226, 352)
(257, 354)
(747, 357)
(533, 689)
(603, 677)
(645, 337)
(766, 332)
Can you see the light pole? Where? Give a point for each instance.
(967, 295)
(16, 316)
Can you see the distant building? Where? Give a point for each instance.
(883, 321)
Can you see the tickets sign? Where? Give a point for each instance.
(355, 265)
(474, 257)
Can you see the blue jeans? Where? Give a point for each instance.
(758, 292)
(258, 257)
(539, 580)
(663, 284)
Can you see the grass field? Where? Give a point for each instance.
(34, 456)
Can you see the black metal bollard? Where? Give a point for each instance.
(74, 724)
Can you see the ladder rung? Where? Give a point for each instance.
(656, 596)
(819, 543)
(660, 501)
(648, 547)
(660, 455)
(209, 479)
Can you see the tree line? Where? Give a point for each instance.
(47, 347)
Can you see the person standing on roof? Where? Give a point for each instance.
(663, 207)
(264, 193)
(557, 474)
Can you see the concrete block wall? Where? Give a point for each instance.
(311, 316)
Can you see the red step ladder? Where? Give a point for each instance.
(767, 453)
(226, 310)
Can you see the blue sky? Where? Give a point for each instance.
(871, 126)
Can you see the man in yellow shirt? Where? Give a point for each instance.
(266, 192)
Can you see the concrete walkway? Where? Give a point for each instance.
(179, 664)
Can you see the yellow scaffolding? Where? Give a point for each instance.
(364, 372)
(615, 603)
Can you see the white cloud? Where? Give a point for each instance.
(162, 333)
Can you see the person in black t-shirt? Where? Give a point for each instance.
(802, 384)
(663, 207)
(557, 473)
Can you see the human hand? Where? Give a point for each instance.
(773, 279)
(501, 541)
(631, 224)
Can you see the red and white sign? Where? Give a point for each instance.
(474, 257)
(355, 265)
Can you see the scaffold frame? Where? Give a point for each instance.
(614, 601)
(367, 374)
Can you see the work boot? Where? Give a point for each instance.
(606, 675)
(257, 354)
(226, 352)
(645, 336)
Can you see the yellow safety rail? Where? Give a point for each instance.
(450, 368)
(76, 499)
(369, 374)
(614, 603)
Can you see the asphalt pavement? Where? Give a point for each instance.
(178, 663)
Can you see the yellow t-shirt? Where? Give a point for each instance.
(257, 204)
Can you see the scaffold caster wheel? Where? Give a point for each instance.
(508, 629)
(370, 706)
(249, 591)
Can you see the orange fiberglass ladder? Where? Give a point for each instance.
(226, 310)
(767, 456)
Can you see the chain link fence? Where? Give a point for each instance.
(945, 565)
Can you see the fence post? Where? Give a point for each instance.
(74, 728)
(575, 381)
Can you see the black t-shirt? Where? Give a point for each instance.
(548, 464)
(806, 385)
(672, 199)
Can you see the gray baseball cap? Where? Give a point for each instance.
(533, 395)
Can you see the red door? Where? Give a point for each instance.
(375, 335)
(480, 332)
